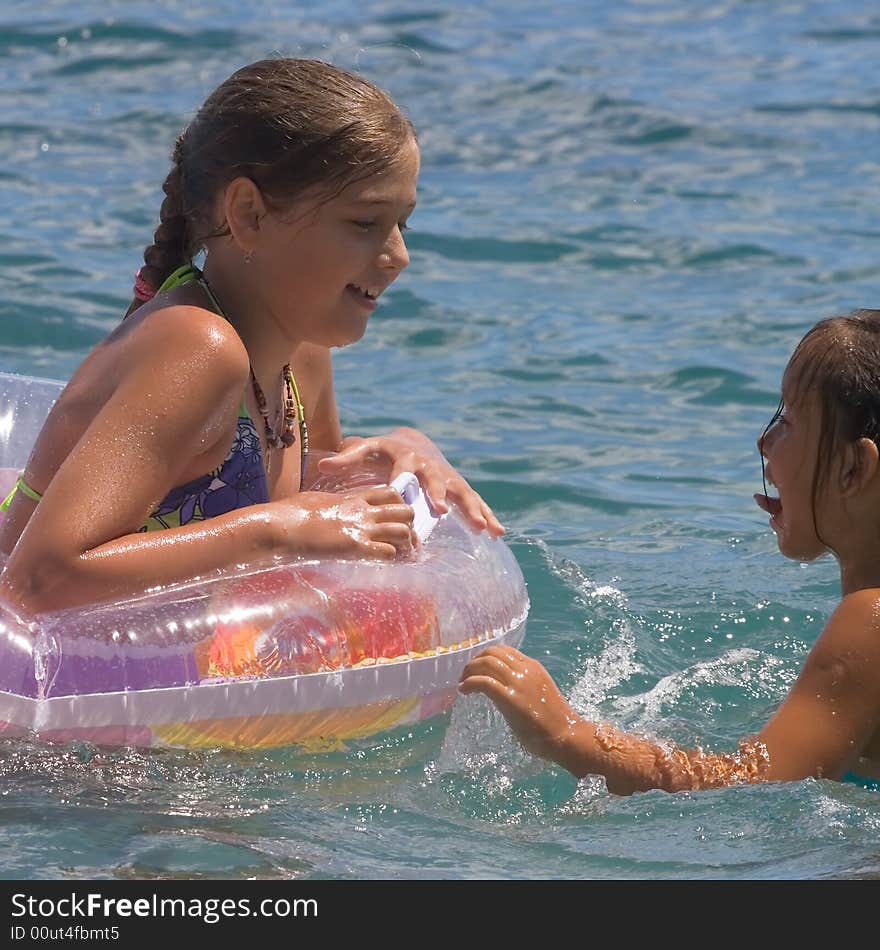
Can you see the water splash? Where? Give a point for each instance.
(47, 661)
(479, 744)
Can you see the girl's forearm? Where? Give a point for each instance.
(126, 566)
(632, 764)
(626, 762)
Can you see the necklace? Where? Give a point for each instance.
(287, 436)
(293, 407)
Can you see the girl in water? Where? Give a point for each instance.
(820, 451)
(185, 442)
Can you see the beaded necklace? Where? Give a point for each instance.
(292, 412)
(293, 407)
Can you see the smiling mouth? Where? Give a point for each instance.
(368, 293)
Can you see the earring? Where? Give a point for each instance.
(248, 257)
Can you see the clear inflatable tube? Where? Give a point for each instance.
(306, 652)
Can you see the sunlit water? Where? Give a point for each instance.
(628, 215)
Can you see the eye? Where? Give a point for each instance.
(779, 417)
(403, 226)
(365, 225)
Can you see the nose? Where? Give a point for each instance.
(765, 440)
(394, 254)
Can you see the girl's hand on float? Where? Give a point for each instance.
(527, 697)
(364, 522)
(408, 450)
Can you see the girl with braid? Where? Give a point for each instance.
(185, 442)
(820, 452)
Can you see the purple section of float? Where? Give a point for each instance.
(78, 675)
(17, 666)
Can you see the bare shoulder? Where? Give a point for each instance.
(859, 610)
(184, 350)
(187, 332)
(849, 645)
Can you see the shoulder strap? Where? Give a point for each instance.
(177, 278)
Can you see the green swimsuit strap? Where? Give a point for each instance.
(22, 486)
(177, 278)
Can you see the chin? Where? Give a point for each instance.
(800, 551)
(345, 336)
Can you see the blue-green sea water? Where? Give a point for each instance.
(629, 213)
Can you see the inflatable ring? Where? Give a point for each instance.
(305, 652)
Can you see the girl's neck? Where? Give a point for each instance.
(240, 298)
(858, 577)
(851, 531)
(859, 563)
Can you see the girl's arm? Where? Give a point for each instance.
(827, 718)
(172, 407)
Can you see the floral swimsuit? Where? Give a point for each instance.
(240, 481)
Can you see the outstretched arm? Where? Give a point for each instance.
(548, 727)
(827, 718)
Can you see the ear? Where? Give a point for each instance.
(860, 466)
(244, 209)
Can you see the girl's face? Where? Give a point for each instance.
(790, 447)
(324, 263)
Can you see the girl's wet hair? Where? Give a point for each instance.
(838, 362)
(292, 126)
